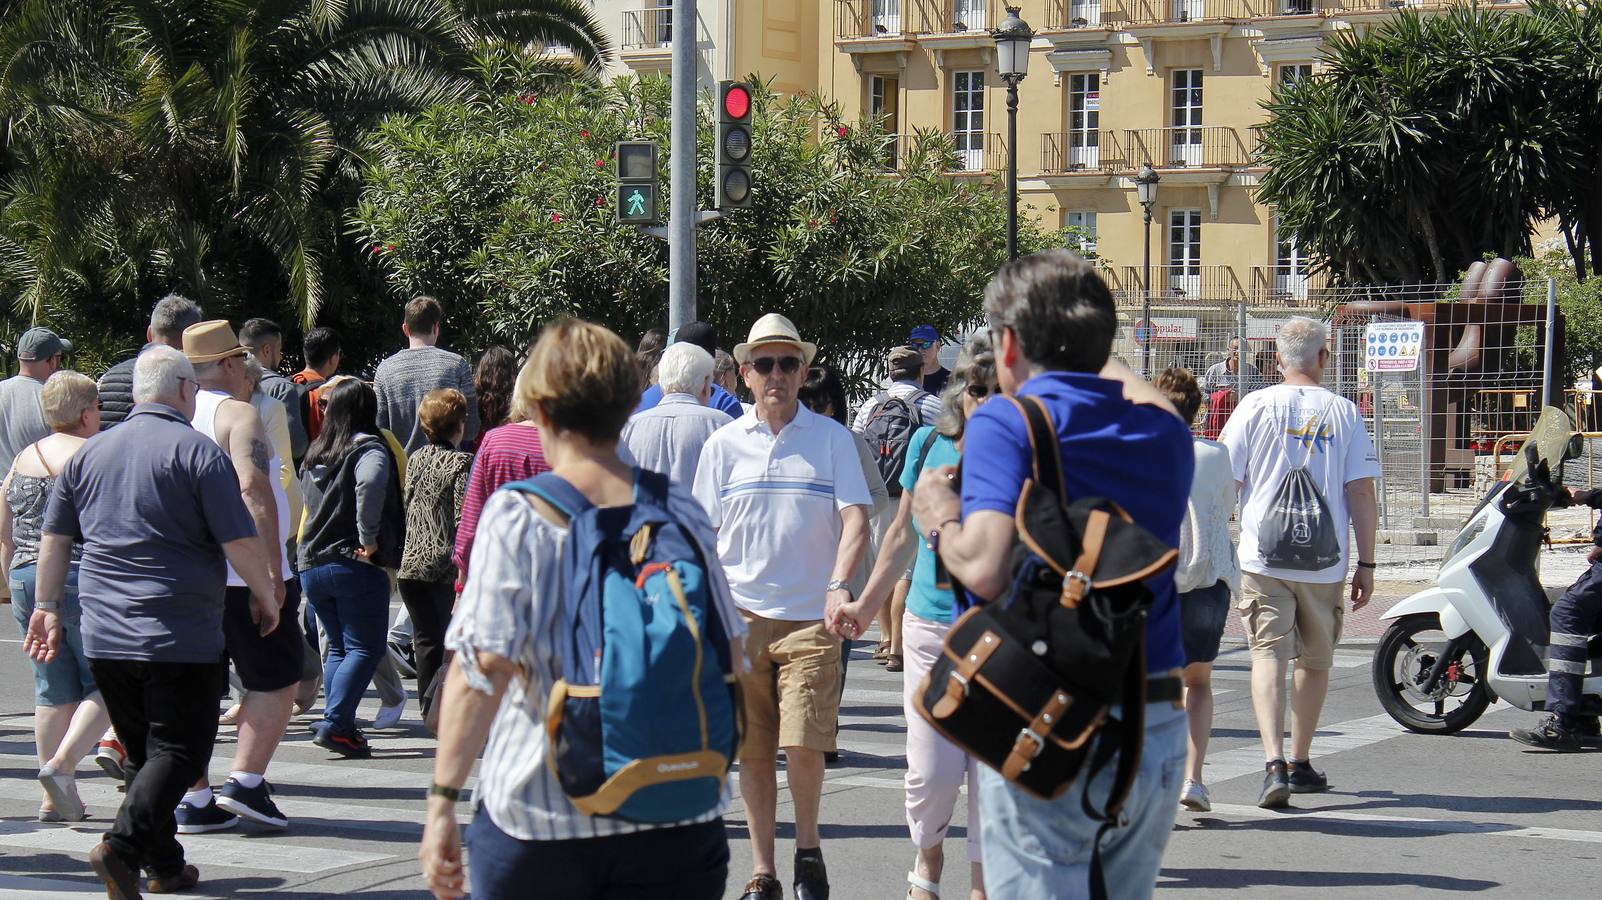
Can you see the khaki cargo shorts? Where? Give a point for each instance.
(792, 693)
(1292, 619)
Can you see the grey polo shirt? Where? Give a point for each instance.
(153, 501)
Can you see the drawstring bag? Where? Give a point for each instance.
(1298, 533)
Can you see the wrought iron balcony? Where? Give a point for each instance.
(857, 19)
(1174, 12)
(1063, 153)
(648, 29)
(979, 151)
(1063, 15)
(1186, 285)
(1203, 146)
(1290, 286)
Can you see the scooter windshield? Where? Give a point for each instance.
(1550, 437)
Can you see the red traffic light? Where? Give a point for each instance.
(737, 101)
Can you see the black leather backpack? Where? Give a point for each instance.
(1026, 683)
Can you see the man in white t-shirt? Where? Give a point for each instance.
(1294, 613)
(784, 488)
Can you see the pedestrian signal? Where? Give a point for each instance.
(733, 176)
(636, 182)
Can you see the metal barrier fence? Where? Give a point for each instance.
(1435, 427)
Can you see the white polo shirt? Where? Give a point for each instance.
(775, 501)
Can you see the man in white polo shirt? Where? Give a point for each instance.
(784, 488)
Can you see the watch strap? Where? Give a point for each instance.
(449, 793)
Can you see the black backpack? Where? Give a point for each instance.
(889, 433)
(1025, 683)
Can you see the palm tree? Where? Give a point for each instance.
(216, 146)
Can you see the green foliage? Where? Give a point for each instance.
(506, 212)
(1580, 303)
(213, 147)
(1432, 140)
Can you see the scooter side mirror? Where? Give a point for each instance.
(1575, 448)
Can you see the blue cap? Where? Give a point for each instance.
(924, 333)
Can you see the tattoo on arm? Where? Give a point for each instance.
(261, 455)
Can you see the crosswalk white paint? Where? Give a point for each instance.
(1411, 823)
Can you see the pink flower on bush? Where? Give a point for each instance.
(600, 164)
(556, 217)
(584, 134)
(842, 130)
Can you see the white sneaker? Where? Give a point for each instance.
(1193, 796)
(388, 716)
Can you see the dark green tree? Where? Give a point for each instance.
(507, 213)
(214, 146)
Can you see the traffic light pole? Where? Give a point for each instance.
(682, 203)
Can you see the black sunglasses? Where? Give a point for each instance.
(979, 391)
(789, 365)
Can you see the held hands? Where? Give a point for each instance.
(44, 634)
(441, 852)
(847, 621)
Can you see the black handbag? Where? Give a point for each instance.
(1025, 684)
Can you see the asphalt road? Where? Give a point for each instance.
(1430, 816)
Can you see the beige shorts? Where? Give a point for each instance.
(792, 693)
(1292, 619)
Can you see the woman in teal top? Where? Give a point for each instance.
(936, 768)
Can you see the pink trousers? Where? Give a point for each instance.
(936, 768)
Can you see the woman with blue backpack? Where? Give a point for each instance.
(596, 649)
(936, 768)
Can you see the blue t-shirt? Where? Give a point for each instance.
(925, 600)
(1137, 455)
(720, 399)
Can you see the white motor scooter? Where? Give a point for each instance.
(1482, 633)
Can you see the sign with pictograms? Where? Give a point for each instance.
(1393, 346)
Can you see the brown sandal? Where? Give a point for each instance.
(882, 650)
(893, 663)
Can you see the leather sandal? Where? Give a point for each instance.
(922, 884)
(763, 887)
(881, 651)
(894, 663)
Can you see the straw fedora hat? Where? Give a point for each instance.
(774, 329)
(206, 342)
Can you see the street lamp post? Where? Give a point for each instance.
(1146, 192)
(1012, 39)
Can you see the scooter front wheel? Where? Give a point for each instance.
(1410, 652)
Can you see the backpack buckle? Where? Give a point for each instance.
(1075, 585)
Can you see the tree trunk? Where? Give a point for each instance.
(1427, 225)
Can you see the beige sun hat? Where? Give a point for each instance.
(206, 342)
(774, 329)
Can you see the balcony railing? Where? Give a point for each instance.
(1298, 7)
(1169, 12)
(959, 16)
(979, 151)
(648, 29)
(1184, 285)
(1081, 151)
(855, 19)
(1209, 146)
(1069, 14)
(1291, 286)
(1337, 6)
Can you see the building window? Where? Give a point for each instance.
(1085, 221)
(882, 109)
(662, 15)
(1185, 118)
(1290, 72)
(887, 16)
(1290, 264)
(1184, 252)
(1084, 121)
(968, 119)
(968, 15)
(1082, 13)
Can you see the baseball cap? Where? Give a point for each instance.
(698, 333)
(905, 359)
(924, 333)
(39, 344)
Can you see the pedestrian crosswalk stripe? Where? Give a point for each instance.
(1413, 823)
(202, 850)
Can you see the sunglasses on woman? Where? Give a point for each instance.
(789, 365)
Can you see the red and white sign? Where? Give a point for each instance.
(1164, 329)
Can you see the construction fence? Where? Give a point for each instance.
(1449, 387)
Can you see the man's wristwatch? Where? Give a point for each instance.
(449, 793)
(50, 607)
(838, 585)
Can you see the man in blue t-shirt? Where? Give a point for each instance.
(1053, 320)
(706, 337)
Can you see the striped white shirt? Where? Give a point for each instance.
(512, 607)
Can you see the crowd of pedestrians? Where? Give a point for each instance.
(159, 530)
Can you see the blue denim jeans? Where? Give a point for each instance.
(66, 679)
(1042, 848)
(352, 601)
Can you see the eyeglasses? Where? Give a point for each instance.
(789, 365)
(920, 344)
(979, 391)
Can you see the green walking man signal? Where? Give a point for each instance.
(636, 183)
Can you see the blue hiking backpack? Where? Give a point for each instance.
(644, 721)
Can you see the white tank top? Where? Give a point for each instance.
(205, 422)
